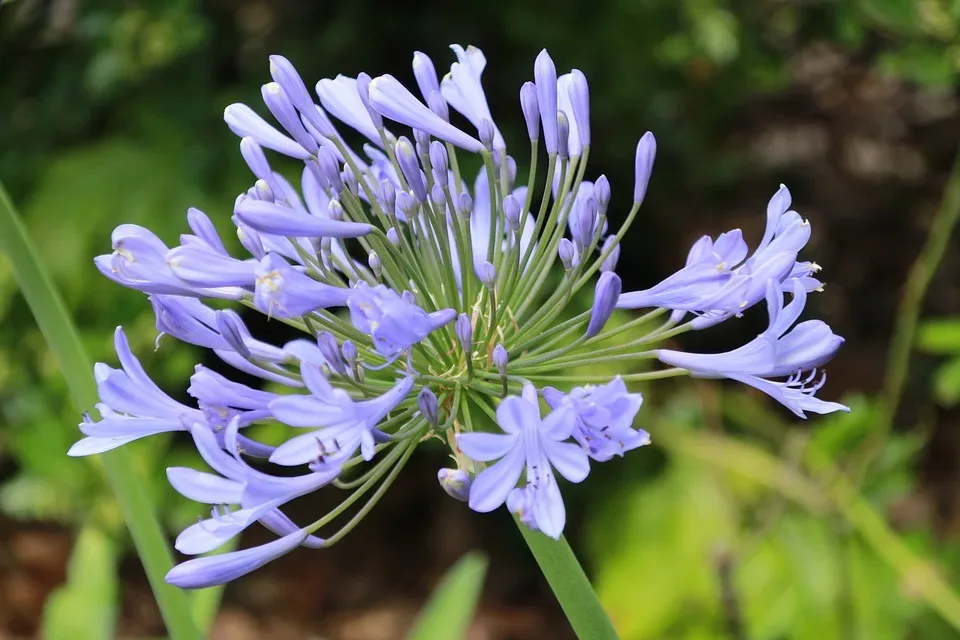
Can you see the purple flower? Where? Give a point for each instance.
(285, 292)
(720, 281)
(131, 406)
(222, 401)
(341, 424)
(197, 266)
(463, 90)
(394, 101)
(527, 443)
(604, 418)
(776, 352)
(191, 321)
(244, 122)
(393, 323)
(219, 569)
(268, 217)
(342, 99)
(285, 75)
(284, 112)
(139, 262)
(254, 492)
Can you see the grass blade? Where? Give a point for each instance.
(570, 585)
(450, 609)
(61, 334)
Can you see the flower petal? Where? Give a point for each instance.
(492, 485)
(484, 447)
(214, 570)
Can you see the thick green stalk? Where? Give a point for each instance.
(61, 334)
(570, 585)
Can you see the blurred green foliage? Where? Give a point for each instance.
(114, 116)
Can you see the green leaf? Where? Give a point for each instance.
(61, 333)
(570, 585)
(86, 606)
(946, 383)
(940, 336)
(448, 613)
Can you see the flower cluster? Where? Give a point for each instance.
(429, 308)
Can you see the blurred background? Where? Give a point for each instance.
(739, 521)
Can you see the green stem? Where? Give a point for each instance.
(570, 585)
(61, 334)
(905, 326)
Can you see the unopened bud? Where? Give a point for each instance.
(456, 483)
(488, 275)
(464, 330)
(428, 405)
(604, 301)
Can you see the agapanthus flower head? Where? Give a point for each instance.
(422, 292)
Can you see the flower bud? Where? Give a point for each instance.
(528, 104)
(545, 74)
(579, 94)
(486, 133)
(426, 74)
(456, 483)
(351, 181)
(264, 192)
(255, 158)
(438, 198)
(610, 263)
(407, 204)
(643, 167)
(363, 88)
(314, 166)
(601, 191)
(438, 105)
(331, 352)
(388, 196)
(500, 360)
(393, 237)
(563, 135)
(407, 159)
(585, 223)
(604, 301)
(350, 353)
(511, 171)
(231, 329)
(250, 240)
(375, 265)
(282, 109)
(511, 212)
(285, 75)
(335, 210)
(568, 254)
(330, 168)
(464, 205)
(464, 330)
(488, 275)
(439, 161)
(422, 139)
(428, 405)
